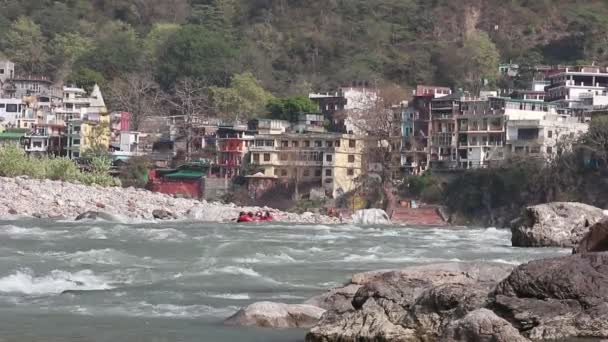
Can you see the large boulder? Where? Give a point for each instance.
(371, 216)
(596, 239)
(338, 299)
(411, 303)
(276, 315)
(559, 298)
(482, 325)
(559, 224)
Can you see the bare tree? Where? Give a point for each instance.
(190, 99)
(378, 117)
(137, 94)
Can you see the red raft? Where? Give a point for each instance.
(251, 218)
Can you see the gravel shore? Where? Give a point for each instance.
(47, 199)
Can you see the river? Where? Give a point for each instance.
(178, 281)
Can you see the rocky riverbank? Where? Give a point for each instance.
(24, 197)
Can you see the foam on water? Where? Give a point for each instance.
(145, 309)
(26, 282)
(15, 232)
(230, 296)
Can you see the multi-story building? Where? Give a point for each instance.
(332, 160)
(443, 144)
(233, 143)
(20, 86)
(10, 110)
(339, 107)
(415, 121)
(7, 71)
(568, 87)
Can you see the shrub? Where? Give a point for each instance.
(15, 162)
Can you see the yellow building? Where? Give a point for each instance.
(333, 160)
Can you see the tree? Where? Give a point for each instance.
(137, 94)
(118, 51)
(25, 45)
(289, 108)
(596, 139)
(378, 118)
(245, 98)
(196, 53)
(190, 99)
(86, 79)
(157, 39)
(474, 65)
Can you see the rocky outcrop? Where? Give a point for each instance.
(559, 224)
(276, 315)
(55, 199)
(338, 299)
(596, 239)
(559, 298)
(482, 325)
(371, 216)
(410, 304)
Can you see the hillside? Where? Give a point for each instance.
(292, 46)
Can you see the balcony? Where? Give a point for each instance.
(480, 144)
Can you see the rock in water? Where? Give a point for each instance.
(94, 215)
(559, 224)
(596, 239)
(410, 304)
(276, 315)
(482, 325)
(560, 298)
(162, 214)
(371, 216)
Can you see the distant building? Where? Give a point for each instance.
(7, 71)
(332, 160)
(568, 87)
(233, 143)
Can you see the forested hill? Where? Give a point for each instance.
(293, 46)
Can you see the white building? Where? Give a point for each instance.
(10, 110)
(568, 88)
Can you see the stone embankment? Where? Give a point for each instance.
(24, 197)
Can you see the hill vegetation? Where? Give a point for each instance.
(292, 47)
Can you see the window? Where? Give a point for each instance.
(2, 105)
(295, 144)
(284, 173)
(76, 142)
(328, 180)
(12, 108)
(306, 173)
(259, 143)
(284, 156)
(352, 143)
(350, 172)
(330, 143)
(318, 173)
(269, 143)
(337, 144)
(329, 158)
(550, 134)
(535, 149)
(284, 143)
(549, 150)
(1, 71)
(328, 173)
(76, 155)
(318, 143)
(306, 143)
(276, 172)
(266, 157)
(76, 129)
(256, 158)
(37, 144)
(351, 159)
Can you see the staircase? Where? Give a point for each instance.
(417, 217)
